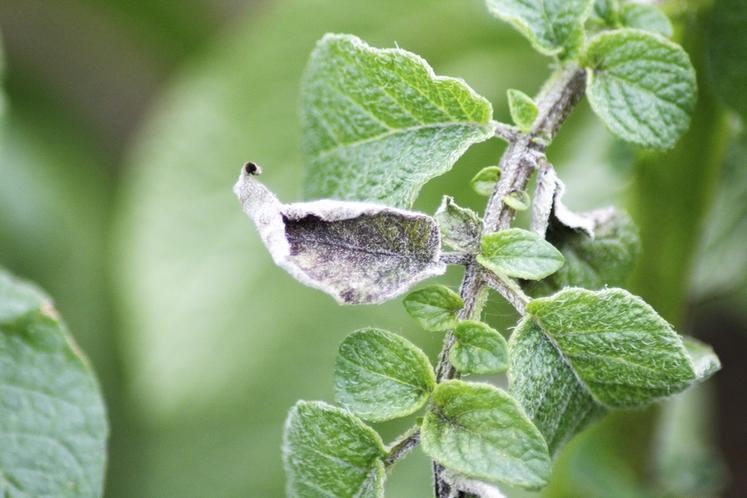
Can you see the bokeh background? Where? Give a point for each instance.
(125, 123)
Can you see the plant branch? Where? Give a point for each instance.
(556, 100)
(402, 446)
(509, 290)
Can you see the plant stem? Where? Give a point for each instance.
(402, 446)
(556, 100)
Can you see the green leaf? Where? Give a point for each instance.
(53, 427)
(518, 200)
(646, 17)
(479, 349)
(435, 307)
(358, 253)
(705, 361)
(460, 227)
(547, 388)
(593, 263)
(481, 432)
(554, 27)
(381, 376)
(641, 85)
(727, 51)
(378, 123)
(607, 11)
(329, 452)
(484, 181)
(523, 109)
(619, 347)
(520, 254)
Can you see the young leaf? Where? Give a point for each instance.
(329, 452)
(523, 109)
(378, 123)
(484, 181)
(460, 227)
(53, 427)
(727, 51)
(641, 85)
(479, 349)
(520, 254)
(518, 200)
(481, 432)
(547, 388)
(618, 346)
(645, 17)
(358, 253)
(705, 361)
(435, 307)
(554, 27)
(381, 376)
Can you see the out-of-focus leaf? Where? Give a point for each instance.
(727, 51)
(607, 11)
(484, 181)
(53, 426)
(523, 109)
(361, 104)
(359, 253)
(329, 452)
(645, 17)
(380, 375)
(434, 307)
(460, 227)
(641, 85)
(480, 431)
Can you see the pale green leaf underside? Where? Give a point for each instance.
(330, 453)
(520, 254)
(381, 376)
(378, 123)
(481, 432)
(53, 426)
(618, 346)
(546, 387)
(645, 17)
(641, 85)
(552, 26)
(484, 181)
(479, 349)
(523, 109)
(705, 361)
(460, 227)
(434, 307)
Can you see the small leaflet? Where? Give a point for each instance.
(359, 253)
(460, 227)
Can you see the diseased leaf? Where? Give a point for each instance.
(519, 253)
(481, 432)
(547, 388)
(358, 253)
(484, 181)
(594, 263)
(479, 349)
(705, 361)
(378, 123)
(554, 27)
(329, 452)
(645, 17)
(53, 427)
(435, 307)
(727, 51)
(619, 347)
(523, 109)
(460, 227)
(381, 376)
(641, 85)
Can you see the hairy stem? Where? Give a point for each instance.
(402, 446)
(556, 100)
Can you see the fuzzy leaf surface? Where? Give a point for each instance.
(554, 27)
(434, 307)
(618, 346)
(641, 85)
(359, 253)
(645, 17)
(381, 376)
(53, 427)
(479, 349)
(378, 123)
(329, 452)
(523, 109)
(482, 432)
(547, 388)
(519, 253)
(705, 361)
(460, 227)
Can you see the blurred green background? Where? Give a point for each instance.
(125, 123)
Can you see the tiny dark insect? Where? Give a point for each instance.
(252, 168)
